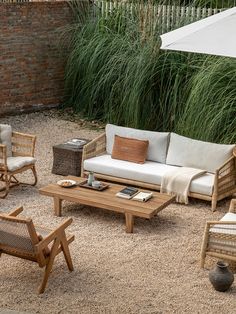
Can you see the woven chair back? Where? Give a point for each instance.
(15, 234)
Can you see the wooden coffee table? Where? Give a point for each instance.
(107, 199)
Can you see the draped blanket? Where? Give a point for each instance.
(177, 182)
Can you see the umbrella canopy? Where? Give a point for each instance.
(215, 35)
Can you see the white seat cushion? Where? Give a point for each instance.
(158, 141)
(5, 137)
(186, 152)
(150, 172)
(15, 163)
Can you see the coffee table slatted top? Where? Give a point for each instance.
(106, 199)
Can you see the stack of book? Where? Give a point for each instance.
(127, 192)
(133, 193)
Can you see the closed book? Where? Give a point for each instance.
(129, 190)
(142, 196)
(126, 196)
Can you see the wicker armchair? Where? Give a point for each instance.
(16, 156)
(220, 237)
(19, 237)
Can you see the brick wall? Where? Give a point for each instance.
(31, 58)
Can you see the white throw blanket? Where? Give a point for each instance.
(177, 182)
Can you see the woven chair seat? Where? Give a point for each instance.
(16, 236)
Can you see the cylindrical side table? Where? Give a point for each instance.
(67, 159)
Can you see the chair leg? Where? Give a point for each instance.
(66, 252)
(49, 265)
(213, 204)
(7, 180)
(204, 246)
(35, 175)
(202, 261)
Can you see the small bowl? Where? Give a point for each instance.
(96, 184)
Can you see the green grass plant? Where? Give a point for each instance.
(117, 73)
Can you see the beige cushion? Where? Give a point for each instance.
(187, 152)
(149, 172)
(129, 149)
(5, 137)
(15, 163)
(158, 141)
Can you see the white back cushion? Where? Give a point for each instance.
(158, 141)
(5, 137)
(187, 152)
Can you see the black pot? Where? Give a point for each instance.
(221, 277)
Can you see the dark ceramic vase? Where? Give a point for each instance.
(221, 277)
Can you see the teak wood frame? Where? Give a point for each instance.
(224, 237)
(224, 181)
(22, 145)
(57, 237)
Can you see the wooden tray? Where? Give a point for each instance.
(84, 184)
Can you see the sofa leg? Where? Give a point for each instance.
(213, 204)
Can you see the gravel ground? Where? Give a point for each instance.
(154, 270)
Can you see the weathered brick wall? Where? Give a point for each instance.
(31, 59)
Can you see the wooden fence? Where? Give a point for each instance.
(166, 17)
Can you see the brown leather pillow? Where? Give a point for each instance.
(130, 149)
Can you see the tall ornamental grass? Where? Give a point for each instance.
(117, 73)
(210, 112)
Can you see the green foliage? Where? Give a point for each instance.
(210, 112)
(117, 73)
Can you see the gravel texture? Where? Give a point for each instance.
(154, 270)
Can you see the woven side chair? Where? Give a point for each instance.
(16, 156)
(19, 237)
(220, 237)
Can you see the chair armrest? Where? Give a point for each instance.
(16, 211)
(23, 144)
(94, 148)
(53, 235)
(3, 157)
(225, 177)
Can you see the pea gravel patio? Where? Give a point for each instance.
(155, 270)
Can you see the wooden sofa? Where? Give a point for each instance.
(222, 178)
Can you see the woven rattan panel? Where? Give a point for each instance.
(15, 235)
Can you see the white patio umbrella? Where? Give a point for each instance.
(214, 35)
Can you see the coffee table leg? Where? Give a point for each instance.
(129, 221)
(57, 206)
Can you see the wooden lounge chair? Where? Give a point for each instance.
(220, 237)
(19, 237)
(16, 156)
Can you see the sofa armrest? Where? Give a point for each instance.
(225, 178)
(232, 207)
(94, 148)
(23, 144)
(3, 157)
